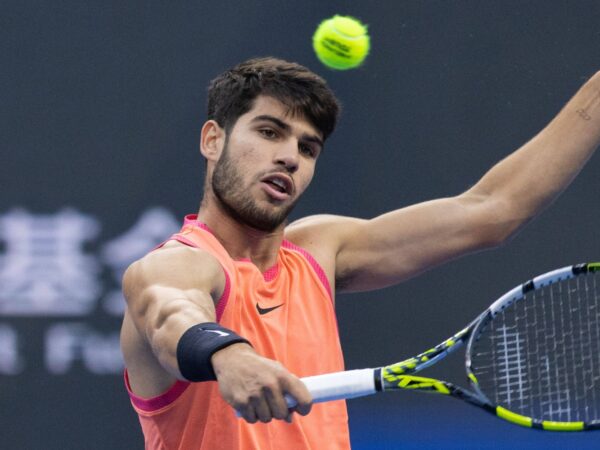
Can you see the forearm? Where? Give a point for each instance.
(532, 177)
(165, 325)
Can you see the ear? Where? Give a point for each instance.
(212, 140)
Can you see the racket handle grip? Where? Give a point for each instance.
(338, 385)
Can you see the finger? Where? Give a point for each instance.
(263, 411)
(248, 414)
(297, 389)
(277, 404)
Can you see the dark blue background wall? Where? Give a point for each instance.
(101, 105)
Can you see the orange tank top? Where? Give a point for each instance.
(287, 314)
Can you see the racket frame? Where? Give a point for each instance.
(517, 294)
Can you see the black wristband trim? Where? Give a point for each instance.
(197, 345)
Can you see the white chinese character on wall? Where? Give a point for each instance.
(152, 228)
(71, 343)
(44, 267)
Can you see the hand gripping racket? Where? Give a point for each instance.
(532, 358)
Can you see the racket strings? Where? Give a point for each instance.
(540, 356)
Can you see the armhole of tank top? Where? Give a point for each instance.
(314, 264)
(153, 404)
(222, 302)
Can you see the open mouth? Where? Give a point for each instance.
(279, 183)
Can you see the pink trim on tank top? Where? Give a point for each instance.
(192, 219)
(271, 273)
(319, 271)
(313, 262)
(158, 402)
(183, 240)
(222, 302)
(268, 275)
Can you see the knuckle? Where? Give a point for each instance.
(238, 404)
(253, 399)
(247, 400)
(240, 400)
(270, 387)
(284, 379)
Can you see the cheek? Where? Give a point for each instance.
(248, 152)
(250, 158)
(245, 158)
(306, 178)
(242, 148)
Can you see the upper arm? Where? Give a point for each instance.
(165, 281)
(371, 254)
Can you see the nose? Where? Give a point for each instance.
(287, 156)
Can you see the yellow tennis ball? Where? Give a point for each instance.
(341, 42)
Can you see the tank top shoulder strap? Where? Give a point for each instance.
(196, 234)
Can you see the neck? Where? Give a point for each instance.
(240, 240)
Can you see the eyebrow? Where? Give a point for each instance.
(287, 128)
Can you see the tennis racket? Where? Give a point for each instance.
(532, 358)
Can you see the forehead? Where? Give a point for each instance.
(269, 106)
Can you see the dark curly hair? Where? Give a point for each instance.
(232, 93)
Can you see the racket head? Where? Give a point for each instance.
(535, 353)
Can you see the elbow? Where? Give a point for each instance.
(508, 231)
(496, 223)
(500, 237)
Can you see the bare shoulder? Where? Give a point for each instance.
(326, 230)
(177, 266)
(324, 236)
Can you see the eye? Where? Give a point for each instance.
(268, 133)
(307, 150)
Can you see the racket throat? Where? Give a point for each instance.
(377, 380)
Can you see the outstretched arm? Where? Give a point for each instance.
(400, 244)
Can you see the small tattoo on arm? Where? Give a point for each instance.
(583, 114)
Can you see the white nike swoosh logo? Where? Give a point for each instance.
(220, 333)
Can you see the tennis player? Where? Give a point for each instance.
(230, 311)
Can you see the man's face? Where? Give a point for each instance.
(267, 163)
